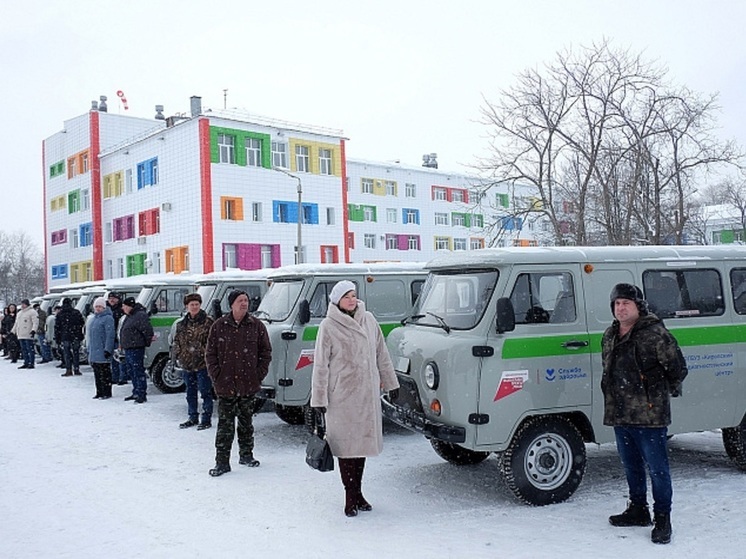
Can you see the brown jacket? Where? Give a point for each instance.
(237, 356)
(190, 341)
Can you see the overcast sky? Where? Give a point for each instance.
(400, 78)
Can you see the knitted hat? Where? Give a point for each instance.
(129, 302)
(99, 302)
(25, 302)
(630, 292)
(340, 289)
(192, 297)
(235, 294)
(115, 295)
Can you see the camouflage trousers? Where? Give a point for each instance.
(229, 410)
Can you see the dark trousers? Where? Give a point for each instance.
(28, 351)
(102, 375)
(14, 348)
(198, 381)
(71, 351)
(135, 364)
(231, 411)
(641, 447)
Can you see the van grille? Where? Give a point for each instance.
(409, 396)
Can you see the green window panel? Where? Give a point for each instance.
(136, 264)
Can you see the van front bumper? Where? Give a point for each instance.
(417, 422)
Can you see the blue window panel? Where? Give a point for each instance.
(147, 173)
(405, 215)
(287, 212)
(86, 234)
(59, 271)
(512, 223)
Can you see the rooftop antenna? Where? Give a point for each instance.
(225, 99)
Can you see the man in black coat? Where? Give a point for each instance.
(69, 328)
(118, 370)
(135, 335)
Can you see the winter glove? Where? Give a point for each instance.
(107, 355)
(393, 394)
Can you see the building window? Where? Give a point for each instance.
(73, 201)
(149, 222)
(459, 244)
(442, 243)
(256, 211)
(177, 259)
(86, 234)
(369, 213)
(476, 243)
(120, 267)
(85, 199)
(440, 193)
(503, 200)
(84, 162)
(477, 220)
(325, 162)
(229, 256)
(156, 263)
(109, 269)
(59, 271)
(124, 228)
(113, 184)
(72, 167)
(253, 152)
(128, 180)
(329, 254)
(390, 188)
(136, 264)
(366, 186)
(411, 216)
(57, 169)
(392, 242)
(58, 203)
(369, 240)
(410, 190)
(413, 242)
(302, 159)
(147, 173)
(74, 242)
(226, 148)
(391, 215)
(458, 195)
(282, 213)
(108, 233)
(231, 209)
(441, 218)
(330, 218)
(279, 154)
(458, 220)
(59, 237)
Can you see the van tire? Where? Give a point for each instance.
(734, 441)
(292, 415)
(545, 462)
(456, 454)
(164, 376)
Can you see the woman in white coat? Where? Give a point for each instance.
(351, 366)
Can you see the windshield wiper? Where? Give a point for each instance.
(441, 321)
(411, 318)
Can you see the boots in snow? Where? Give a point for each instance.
(635, 515)
(662, 530)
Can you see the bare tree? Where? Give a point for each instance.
(21, 267)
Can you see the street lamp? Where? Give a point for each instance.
(299, 247)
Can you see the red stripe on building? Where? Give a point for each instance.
(205, 175)
(345, 212)
(44, 197)
(96, 198)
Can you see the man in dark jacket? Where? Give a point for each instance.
(41, 335)
(135, 335)
(642, 368)
(118, 370)
(69, 328)
(238, 355)
(188, 350)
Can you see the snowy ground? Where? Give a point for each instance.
(86, 478)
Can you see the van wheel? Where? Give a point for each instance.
(164, 376)
(456, 454)
(292, 415)
(734, 440)
(545, 461)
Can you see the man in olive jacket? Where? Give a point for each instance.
(642, 368)
(237, 355)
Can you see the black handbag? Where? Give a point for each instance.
(318, 454)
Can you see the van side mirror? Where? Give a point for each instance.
(153, 309)
(254, 303)
(87, 309)
(216, 311)
(304, 312)
(505, 315)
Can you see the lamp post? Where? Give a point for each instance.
(299, 240)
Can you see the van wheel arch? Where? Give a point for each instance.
(456, 454)
(734, 441)
(164, 377)
(545, 461)
(292, 415)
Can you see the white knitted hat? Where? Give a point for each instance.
(99, 302)
(340, 289)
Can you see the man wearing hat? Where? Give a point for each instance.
(238, 355)
(135, 335)
(41, 334)
(25, 327)
(642, 368)
(188, 350)
(68, 333)
(118, 370)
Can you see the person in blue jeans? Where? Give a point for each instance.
(135, 335)
(642, 368)
(25, 326)
(188, 350)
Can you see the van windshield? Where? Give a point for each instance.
(205, 291)
(457, 300)
(279, 301)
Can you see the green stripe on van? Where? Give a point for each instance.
(310, 332)
(162, 321)
(546, 346)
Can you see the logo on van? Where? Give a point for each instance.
(550, 376)
(510, 382)
(304, 359)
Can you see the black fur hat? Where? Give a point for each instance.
(631, 292)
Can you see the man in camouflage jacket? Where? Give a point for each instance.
(642, 368)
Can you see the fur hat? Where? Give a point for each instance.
(192, 297)
(129, 302)
(340, 289)
(235, 294)
(115, 295)
(630, 292)
(99, 302)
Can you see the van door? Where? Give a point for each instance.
(544, 365)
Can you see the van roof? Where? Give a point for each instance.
(234, 274)
(493, 257)
(304, 270)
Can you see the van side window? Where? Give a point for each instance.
(387, 298)
(683, 293)
(171, 299)
(544, 298)
(416, 288)
(738, 286)
(319, 302)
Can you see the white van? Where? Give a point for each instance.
(503, 354)
(295, 304)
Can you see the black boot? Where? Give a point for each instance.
(220, 469)
(635, 515)
(662, 530)
(348, 473)
(362, 504)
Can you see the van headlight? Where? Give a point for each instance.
(432, 376)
